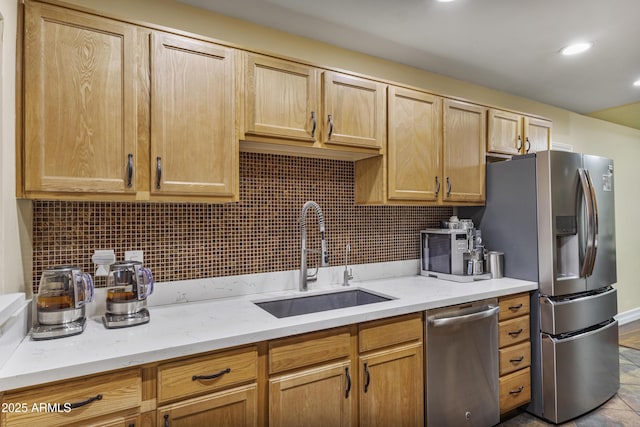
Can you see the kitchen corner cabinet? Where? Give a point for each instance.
(435, 153)
(80, 104)
(113, 111)
(513, 134)
(514, 351)
(292, 108)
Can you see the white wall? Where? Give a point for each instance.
(14, 216)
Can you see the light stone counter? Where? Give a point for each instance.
(182, 329)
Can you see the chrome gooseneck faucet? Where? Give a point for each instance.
(324, 256)
(348, 273)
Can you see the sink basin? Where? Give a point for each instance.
(322, 302)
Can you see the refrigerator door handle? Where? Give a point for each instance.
(586, 190)
(594, 228)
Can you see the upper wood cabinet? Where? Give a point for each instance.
(194, 149)
(513, 134)
(113, 111)
(415, 145)
(464, 141)
(435, 153)
(291, 108)
(80, 121)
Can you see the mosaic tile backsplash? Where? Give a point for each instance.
(261, 233)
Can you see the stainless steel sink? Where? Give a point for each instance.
(321, 302)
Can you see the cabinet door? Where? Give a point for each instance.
(315, 397)
(194, 150)
(537, 135)
(281, 99)
(414, 145)
(354, 111)
(79, 102)
(505, 132)
(464, 141)
(391, 392)
(232, 408)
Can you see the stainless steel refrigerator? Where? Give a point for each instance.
(552, 214)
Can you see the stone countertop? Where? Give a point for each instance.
(177, 330)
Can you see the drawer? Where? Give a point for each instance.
(308, 349)
(96, 396)
(515, 357)
(513, 331)
(387, 332)
(513, 306)
(515, 390)
(208, 373)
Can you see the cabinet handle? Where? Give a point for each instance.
(212, 376)
(132, 425)
(367, 379)
(158, 172)
(448, 186)
(166, 420)
(517, 391)
(528, 145)
(130, 170)
(346, 371)
(515, 307)
(330, 126)
(437, 186)
(313, 120)
(517, 359)
(516, 333)
(519, 144)
(86, 402)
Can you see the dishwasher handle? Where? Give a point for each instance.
(490, 310)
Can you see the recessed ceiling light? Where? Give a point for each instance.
(637, 83)
(444, 1)
(576, 48)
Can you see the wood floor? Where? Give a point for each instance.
(630, 335)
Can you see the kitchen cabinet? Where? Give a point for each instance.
(105, 400)
(514, 351)
(312, 379)
(113, 111)
(391, 372)
(214, 389)
(80, 105)
(194, 149)
(294, 108)
(435, 154)
(513, 134)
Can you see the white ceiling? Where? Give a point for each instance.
(508, 45)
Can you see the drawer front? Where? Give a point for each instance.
(515, 390)
(308, 349)
(96, 396)
(515, 357)
(198, 375)
(387, 332)
(513, 306)
(513, 331)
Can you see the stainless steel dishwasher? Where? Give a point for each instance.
(462, 365)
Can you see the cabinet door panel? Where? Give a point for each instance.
(537, 135)
(357, 110)
(281, 99)
(232, 408)
(505, 132)
(312, 398)
(394, 396)
(414, 145)
(80, 106)
(193, 145)
(464, 152)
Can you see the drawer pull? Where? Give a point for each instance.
(516, 333)
(517, 391)
(515, 307)
(517, 359)
(212, 376)
(367, 380)
(86, 402)
(346, 395)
